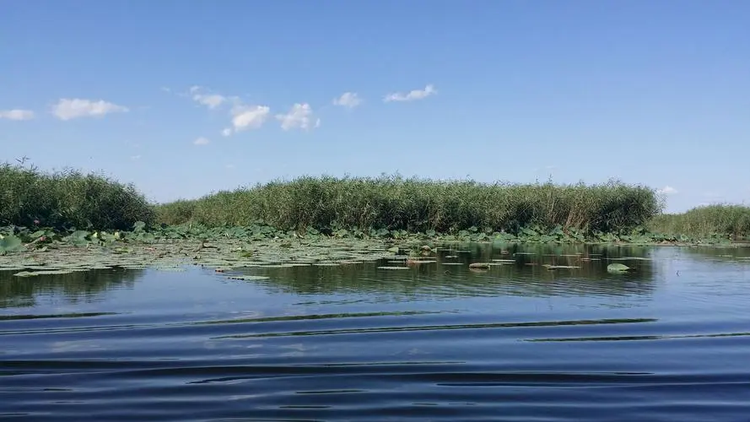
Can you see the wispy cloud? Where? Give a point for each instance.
(74, 108)
(211, 101)
(17, 114)
(415, 94)
(245, 117)
(300, 116)
(667, 190)
(201, 96)
(201, 141)
(135, 157)
(348, 100)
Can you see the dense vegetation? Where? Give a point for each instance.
(68, 199)
(420, 205)
(707, 221)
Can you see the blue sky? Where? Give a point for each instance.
(650, 92)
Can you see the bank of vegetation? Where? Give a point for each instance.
(69, 199)
(726, 220)
(421, 205)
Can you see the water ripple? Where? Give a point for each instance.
(515, 343)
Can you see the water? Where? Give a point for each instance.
(668, 342)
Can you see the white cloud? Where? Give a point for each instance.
(348, 100)
(73, 108)
(16, 114)
(202, 141)
(207, 99)
(246, 117)
(135, 157)
(226, 132)
(667, 190)
(415, 94)
(299, 116)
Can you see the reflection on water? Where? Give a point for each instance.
(72, 288)
(517, 270)
(666, 342)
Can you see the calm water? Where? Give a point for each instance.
(667, 342)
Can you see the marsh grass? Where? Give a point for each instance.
(706, 221)
(420, 205)
(67, 199)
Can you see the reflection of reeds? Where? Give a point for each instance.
(392, 202)
(521, 273)
(76, 286)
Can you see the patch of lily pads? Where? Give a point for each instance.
(35, 252)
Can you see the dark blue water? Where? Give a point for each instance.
(669, 341)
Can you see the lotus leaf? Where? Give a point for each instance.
(248, 277)
(617, 268)
(11, 244)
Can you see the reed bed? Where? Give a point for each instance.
(68, 199)
(420, 205)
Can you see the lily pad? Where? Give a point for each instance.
(11, 244)
(171, 269)
(617, 268)
(248, 277)
(37, 273)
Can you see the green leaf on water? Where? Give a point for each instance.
(11, 244)
(248, 277)
(617, 268)
(38, 273)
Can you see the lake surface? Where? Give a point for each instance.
(669, 341)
